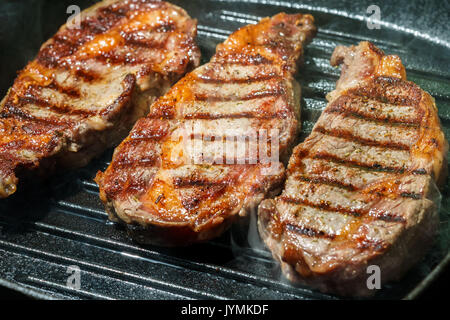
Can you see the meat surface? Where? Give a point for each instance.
(361, 189)
(89, 84)
(210, 149)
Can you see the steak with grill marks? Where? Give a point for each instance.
(361, 188)
(90, 83)
(173, 180)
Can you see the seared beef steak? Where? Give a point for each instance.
(359, 188)
(90, 83)
(186, 171)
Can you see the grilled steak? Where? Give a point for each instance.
(360, 188)
(90, 83)
(188, 169)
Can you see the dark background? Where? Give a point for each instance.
(438, 290)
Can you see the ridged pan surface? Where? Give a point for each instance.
(48, 229)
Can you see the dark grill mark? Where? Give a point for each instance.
(347, 162)
(212, 137)
(211, 193)
(249, 115)
(162, 111)
(119, 12)
(309, 232)
(273, 92)
(50, 55)
(86, 75)
(152, 132)
(122, 58)
(325, 205)
(190, 203)
(59, 109)
(12, 145)
(330, 182)
(347, 135)
(10, 110)
(149, 161)
(346, 186)
(132, 143)
(36, 147)
(124, 99)
(65, 39)
(137, 38)
(211, 79)
(242, 59)
(150, 41)
(119, 184)
(146, 43)
(95, 25)
(183, 182)
(369, 117)
(73, 92)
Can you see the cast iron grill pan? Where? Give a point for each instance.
(46, 228)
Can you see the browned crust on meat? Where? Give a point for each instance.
(153, 186)
(356, 198)
(350, 277)
(88, 85)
